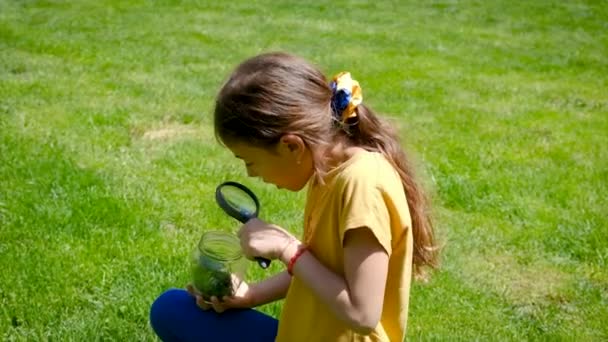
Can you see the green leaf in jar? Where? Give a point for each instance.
(211, 278)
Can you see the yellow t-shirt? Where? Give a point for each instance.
(365, 191)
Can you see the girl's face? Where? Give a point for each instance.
(289, 166)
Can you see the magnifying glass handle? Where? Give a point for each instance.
(243, 214)
(264, 263)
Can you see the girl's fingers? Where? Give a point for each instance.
(227, 302)
(201, 303)
(190, 289)
(214, 303)
(217, 305)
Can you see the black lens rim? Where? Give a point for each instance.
(223, 203)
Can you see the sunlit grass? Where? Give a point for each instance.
(108, 161)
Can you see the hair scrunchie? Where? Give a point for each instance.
(347, 95)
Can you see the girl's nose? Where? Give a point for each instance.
(251, 173)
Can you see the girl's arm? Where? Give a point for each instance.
(357, 297)
(270, 290)
(247, 296)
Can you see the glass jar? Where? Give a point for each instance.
(218, 265)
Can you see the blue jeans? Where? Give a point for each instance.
(174, 316)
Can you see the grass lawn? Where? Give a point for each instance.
(108, 161)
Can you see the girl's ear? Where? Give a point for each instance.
(293, 144)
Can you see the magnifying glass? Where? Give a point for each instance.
(240, 203)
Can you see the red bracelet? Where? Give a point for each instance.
(294, 258)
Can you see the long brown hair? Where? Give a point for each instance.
(273, 94)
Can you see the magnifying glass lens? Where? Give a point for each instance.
(239, 200)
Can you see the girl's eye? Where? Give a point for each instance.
(248, 164)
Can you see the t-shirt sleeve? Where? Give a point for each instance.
(363, 205)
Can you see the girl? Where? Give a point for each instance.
(366, 227)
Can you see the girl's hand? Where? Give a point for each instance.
(242, 299)
(261, 239)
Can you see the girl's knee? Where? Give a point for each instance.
(167, 305)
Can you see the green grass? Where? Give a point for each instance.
(108, 162)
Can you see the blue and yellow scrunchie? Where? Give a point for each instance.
(347, 95)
